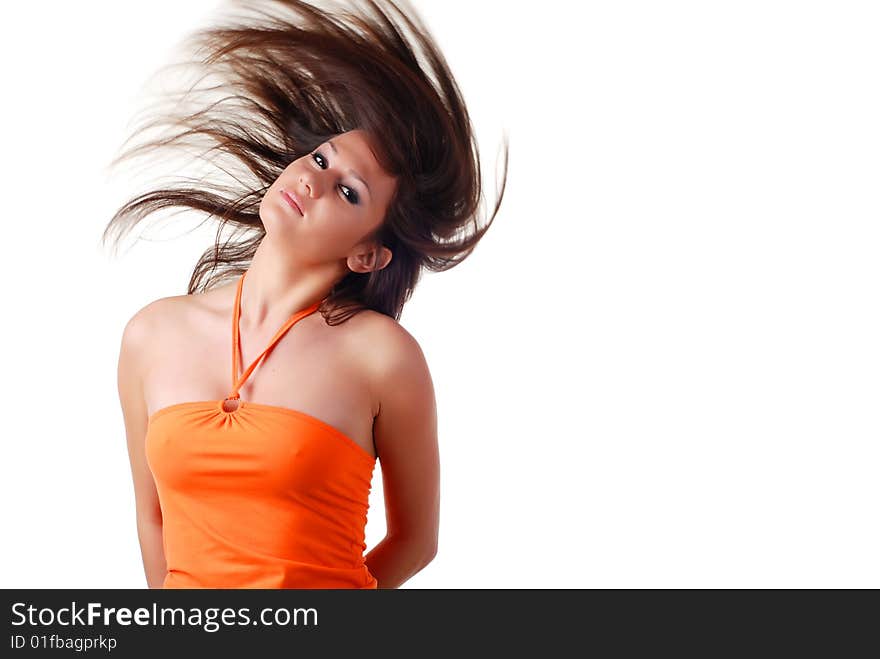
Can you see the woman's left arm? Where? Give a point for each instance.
(405, 437)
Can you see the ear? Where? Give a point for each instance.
(373, 258)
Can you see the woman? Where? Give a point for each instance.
(255, 410)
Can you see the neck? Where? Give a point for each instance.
(276, 287)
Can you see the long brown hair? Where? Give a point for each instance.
(291, 77)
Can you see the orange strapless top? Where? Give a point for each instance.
(258, 496)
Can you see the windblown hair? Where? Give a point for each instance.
(296, 77)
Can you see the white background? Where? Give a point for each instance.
(659, 369)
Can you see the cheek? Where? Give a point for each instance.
(331, 229)
(339, 232)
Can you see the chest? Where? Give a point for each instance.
(310, 369)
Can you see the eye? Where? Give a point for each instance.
(353, 196)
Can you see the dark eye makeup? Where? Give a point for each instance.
(353, 197)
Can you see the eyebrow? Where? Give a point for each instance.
(351, 171)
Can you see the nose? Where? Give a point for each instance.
(308, 186)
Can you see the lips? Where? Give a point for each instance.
(292, 201)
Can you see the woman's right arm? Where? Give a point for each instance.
(132, 357)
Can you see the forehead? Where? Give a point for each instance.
(356, 147)
(355, 144)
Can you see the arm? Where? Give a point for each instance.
(405, 436)
(148, 511)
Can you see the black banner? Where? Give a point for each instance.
(529, 622)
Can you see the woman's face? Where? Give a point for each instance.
(343, 193)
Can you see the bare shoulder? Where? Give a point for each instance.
(171, 310)
(397, 371)
(386, 346)
(405, 433)
(150, 324)
(142, 326)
